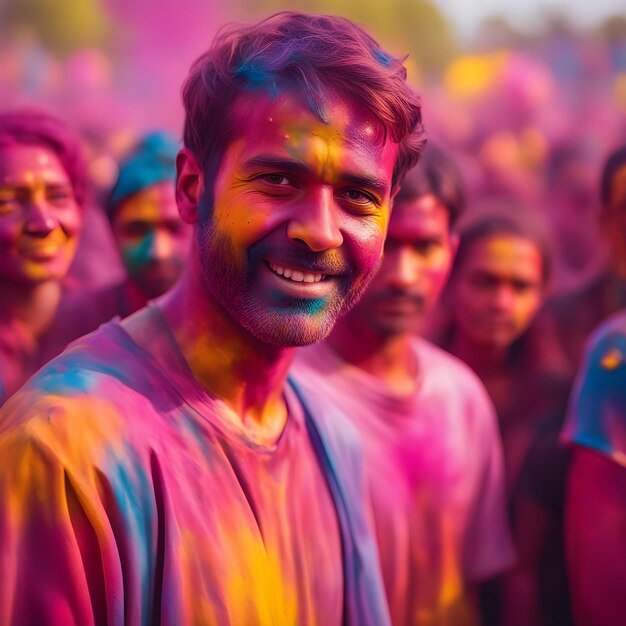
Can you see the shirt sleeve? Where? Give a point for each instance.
(597, 410)
(77, 524)
(53, 568)
(488, 548)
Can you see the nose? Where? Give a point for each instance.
(315, 222)
(41, 219)
(504, 298)
(404, 267)
(160, 247)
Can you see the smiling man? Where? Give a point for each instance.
(429, 432)
(163, 469)
(42, 185)
(152, 240)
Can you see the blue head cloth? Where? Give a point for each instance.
(152, 161)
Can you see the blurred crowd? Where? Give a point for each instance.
(519, 257)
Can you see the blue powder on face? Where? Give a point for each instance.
(288, 306)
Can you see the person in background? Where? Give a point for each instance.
(572, 316)
(164, 469)
(596, 432)
(42, 190)
(429, 430)
(498, 282)
(152, 240)
(497, 285)
(571, 208)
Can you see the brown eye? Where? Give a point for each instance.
(59, 197)
(358, 197)
(426, 247)
(276, 179)
(7, 206)
(136, 229)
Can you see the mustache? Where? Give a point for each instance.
(324, 262)
(391, 293)
(500, 320)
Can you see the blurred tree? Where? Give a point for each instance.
(415, 27)
(62, 27)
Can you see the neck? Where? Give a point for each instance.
(483, 359)
(32, 306)
(390, 358)
(232, 365)
(134, 297)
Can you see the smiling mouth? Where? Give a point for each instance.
(295, 275)
(44, 251)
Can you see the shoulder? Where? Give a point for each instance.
(456, 392)
(90, 299)
(89, 393)
(444, 371)
(597, 412)
(613, 327)
(605, 352)
(79, 313)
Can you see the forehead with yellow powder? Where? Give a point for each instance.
(347, 142)
(151, 204)
(30, 166)
(508, 256)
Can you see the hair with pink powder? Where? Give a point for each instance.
(316, 55)
(33, 127)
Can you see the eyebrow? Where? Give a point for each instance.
(25, 186)
(294, 166)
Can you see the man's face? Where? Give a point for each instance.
(415, 266)
(497, 290)
(39, 217)
(299, 218)
(152, 239)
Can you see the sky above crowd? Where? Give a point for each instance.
(526, 14)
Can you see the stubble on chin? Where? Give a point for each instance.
(230, 282)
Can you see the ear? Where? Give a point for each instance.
(189, 185)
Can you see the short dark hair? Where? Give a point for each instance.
(436, 174)
(503, 216)
(319, 55)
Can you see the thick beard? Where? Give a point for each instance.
(229, 285)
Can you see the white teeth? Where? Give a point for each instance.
(296, 275)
